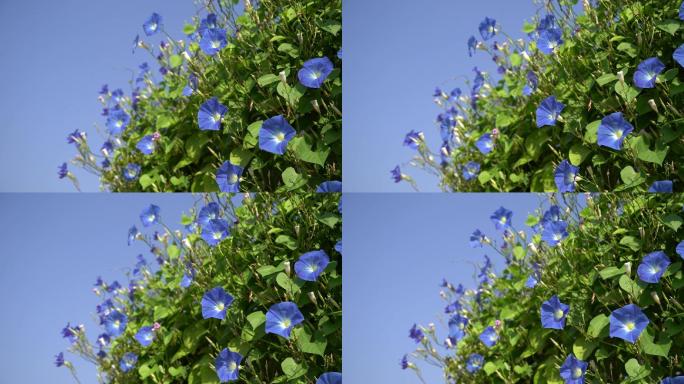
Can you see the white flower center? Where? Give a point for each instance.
(219, 306)
(279, 137)
(232, 366)
(559, 313)
(629, 326)
(618, 134)
(285, 323)
(215, 44)
(217, 236)
(577, 373)
(233, 178)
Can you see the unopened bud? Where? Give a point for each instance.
(186, 56)
(532, 248)
(587, 5)
(312, 297)
(653, 105)
(288, 270)
(431, 327)
(655, 297)
(156, 326)
(522, 234)
(628, 268)
(448, 342)
(442, 295)
(187, 243)
(282, 76)
(315, 105)
(444, 151)
(296, 228)
(526, 56)
(621, 77)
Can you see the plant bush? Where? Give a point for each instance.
(212, 293)
(591, 101)
(595, 257)
(239, 81)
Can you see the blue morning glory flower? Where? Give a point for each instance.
(477, 238)
(115, 323)
(413, 139)
(186, 280)
(131, 172)
(330, 378)
(472, 46)
(653, 267)
(678, 54)
(485, 143)
(549, 111)
(311, 264)
(565, 176)
(70, 333)
(549, 40)
(548, 22)
(474, 363)
(215, 302)
(152, 24)
(489, 337)
(396, 174)
(274, 135)
(210, 22)
(215, 231)
(501, 218)
(531, 281)
(553, 313)
(487, 28)
(132, 234)
(282, 317)
(673, 379)
(150, 215)
(62, 171)
(146, 145)
(145, 336)
(681, 11)
(416, 334)
(613, 130)
(647, 72)
(227, 365)
(555, 232)
(333, 186)
(457, 326)
(210, 115)
(192, 85)
(59, 360)
(117, 121)
(470, 170)
(314, 72)
(680, 249)
(228, 177)
(213, 40)
(662, 186)
(338, 247)
(628, 322)
(573, 370)
(209, 212)
(128, 361)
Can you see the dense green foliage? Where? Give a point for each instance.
(251, 264)
(255, 77)
(591, 73)
(593, 270)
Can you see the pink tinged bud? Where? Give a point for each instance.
(156, 326)
(156, 136)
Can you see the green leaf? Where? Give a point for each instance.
(670, 26)
(267, 79)
(292, 179)
(630, 177)
(628, 48)
(175, 61)
(630, 286)
(307, 343)
(607, 273)
(165, 121)
(583, 348)
(145, 181)
(606, 79)
(578, 153)
(331, 26)
(626, 91)
(287, 284)
(302, 150)
(651, 347)
(642, 148)
(597, 325)
(268, 270)
(519, 252)
(145, 371)
(591, 135)
(635, 370)
(516, 60)
(291, 369)
(255, 319)
(504, 120)
(532, 220)
(329, 219)
(673, 221)
(252, 136)
(289, 49)
(287, 241)
(189, 29)
(173, 252)
(631, 242)
(240, 156)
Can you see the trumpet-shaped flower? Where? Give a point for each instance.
(662, 186)
(227, 365)
(678, 54)
(311, 264)
(647, 72)
(628, 322)
(282, 317)
(213, 40)
(62, 171)
(555, 232)
(549, 40)
(573, 370)
(115, 323)
(59, 360)
(332, 186)
(209, 22)
(485, 143)
(457, 326)
(215, 231)
(653, 266)
(330, 378)
(215, 302)
(413, 139)
(128, 361)
(549, 111)
(132, 234)
(554, 313)
(274, 135)
(487, 28)
(472, 46)
(566, 176)
(489, 337)
(117, 121)
(396, 174)
(613, 130)
(501, 218)
(153, 24)
(146, 145)
(150, 215)
(131, 172)
(228, 177)
(416, 334)
(680, 249)
(477, 238)
(314, 72)
(470, 170)
(210, 114)
(209, 212)
(145, 336)
(673, 379)
(474, 363)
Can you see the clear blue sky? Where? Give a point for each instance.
(395, 53)
(397, 249)
(54, 63)
(54, 247)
